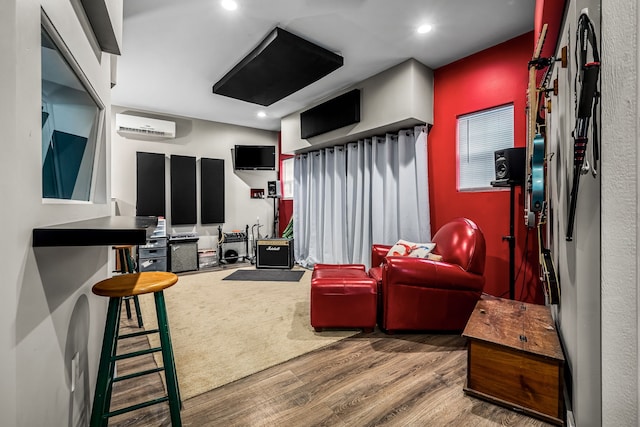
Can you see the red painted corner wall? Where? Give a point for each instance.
(495, 76)
(285, 206)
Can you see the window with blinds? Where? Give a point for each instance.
(479, 135)
(287, 178)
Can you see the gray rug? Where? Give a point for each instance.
(266, 275)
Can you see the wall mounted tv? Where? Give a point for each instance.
(254, 157)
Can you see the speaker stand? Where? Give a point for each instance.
(275, 215)
(511, 238)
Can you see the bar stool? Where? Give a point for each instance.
(124, 265)
(117, 288)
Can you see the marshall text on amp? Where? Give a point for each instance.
(274, 253)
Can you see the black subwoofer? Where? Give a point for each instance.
(274, 253)
(510, 165)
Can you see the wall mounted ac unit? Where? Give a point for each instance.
(144, 128)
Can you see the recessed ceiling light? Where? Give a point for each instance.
(424, 28)
(229, 4)
(262, 114)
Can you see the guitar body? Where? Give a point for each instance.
(537, 174)
(533, 158)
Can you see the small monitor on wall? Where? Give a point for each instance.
(254, 157)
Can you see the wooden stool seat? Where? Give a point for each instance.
(118, 289)
(127, 285)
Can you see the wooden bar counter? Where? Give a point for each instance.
(515, 358)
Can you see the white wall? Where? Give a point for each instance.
(620, 216)
(199, 138)
(397, 98)
(578, 261)
(598, 314)
(47, 310)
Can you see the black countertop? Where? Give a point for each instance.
(109, 230)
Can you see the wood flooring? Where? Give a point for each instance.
(367, 380)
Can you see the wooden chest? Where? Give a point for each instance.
(515, 358)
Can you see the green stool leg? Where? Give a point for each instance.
(132, 269)
(167, 357)
(127, 306)
(102, 397)
(127, 266)
(136, 303)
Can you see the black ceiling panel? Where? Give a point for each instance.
(282, 64)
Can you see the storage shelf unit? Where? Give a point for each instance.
(225, 239)
(152, 256)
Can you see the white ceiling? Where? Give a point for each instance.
(174, 51)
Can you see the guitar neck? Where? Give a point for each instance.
(532, 103)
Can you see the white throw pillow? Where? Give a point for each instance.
(401, 248)
(405, 248)
(422, 250)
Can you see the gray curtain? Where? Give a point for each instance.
(350, 196)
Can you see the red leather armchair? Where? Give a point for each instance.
(422, 294)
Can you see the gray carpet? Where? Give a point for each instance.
(266, 275)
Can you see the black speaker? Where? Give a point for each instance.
(274, 253)
(510, 165)
(273, 189)
(338, 112)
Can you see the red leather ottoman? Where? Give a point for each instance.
(343, 296)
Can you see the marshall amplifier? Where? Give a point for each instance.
(274, 253)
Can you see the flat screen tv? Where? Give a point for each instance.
(255, 157)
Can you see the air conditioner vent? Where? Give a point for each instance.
(137, 127)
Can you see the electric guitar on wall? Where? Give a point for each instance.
(537, 200)
(587, 100)
(535, 143)
(537, 173)
(541, 186)
(548, 274)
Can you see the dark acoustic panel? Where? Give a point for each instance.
(183, 190)
(340, 111)
(150, 188)
(282, 64)
(211, 191)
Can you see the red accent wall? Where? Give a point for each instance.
(548, 12)
(495, 76)
(285, 206)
